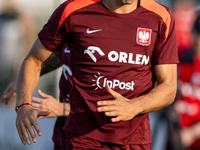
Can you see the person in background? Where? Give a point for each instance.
(165, 123)
(188, 104)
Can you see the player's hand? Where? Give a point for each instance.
(9, 92)
(27, 125)
(47, 102)
(119, 109)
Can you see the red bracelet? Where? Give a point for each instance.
(16, 108)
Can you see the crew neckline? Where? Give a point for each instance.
(134, 12)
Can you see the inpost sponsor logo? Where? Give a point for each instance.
(101, 81)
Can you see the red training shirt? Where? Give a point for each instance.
(115, 49)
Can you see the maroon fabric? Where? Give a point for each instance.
(115, 49)
(57, 147)
(65, 86)
(72, 141)
(58, 128)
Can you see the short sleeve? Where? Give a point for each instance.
(53, 35)
(166, 50)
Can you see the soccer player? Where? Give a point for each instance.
(118, 49)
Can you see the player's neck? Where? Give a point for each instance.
(121, 6)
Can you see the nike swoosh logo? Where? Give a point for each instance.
(66, 50)
(92, 31)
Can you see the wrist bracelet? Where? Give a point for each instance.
(16, 108)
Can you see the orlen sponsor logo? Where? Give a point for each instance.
(101, 81)
(128, 58)
(91, 50)
(122, 57)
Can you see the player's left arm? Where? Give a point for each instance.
(122, 109)
(48, 102)
(164, 93)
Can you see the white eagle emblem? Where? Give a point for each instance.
(144, 36)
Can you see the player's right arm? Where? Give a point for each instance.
(52, 63)
(27, 81)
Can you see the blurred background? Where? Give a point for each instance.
(176, 127)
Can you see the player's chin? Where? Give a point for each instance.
(128, 2)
